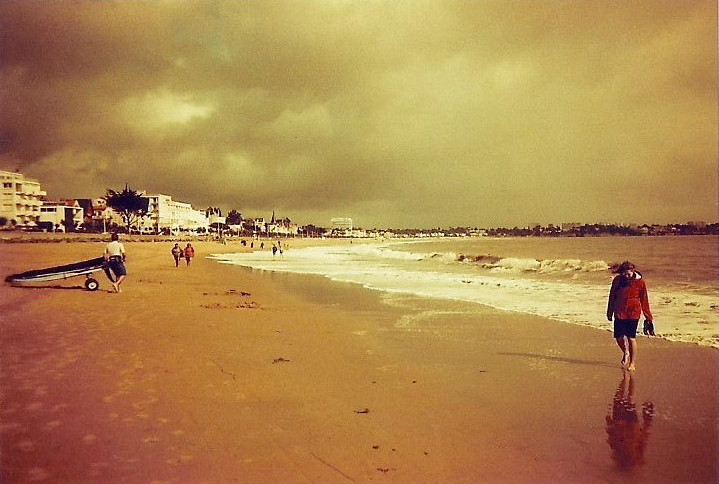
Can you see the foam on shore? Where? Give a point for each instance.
(566, 290)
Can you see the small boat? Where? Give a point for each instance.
(84, 268)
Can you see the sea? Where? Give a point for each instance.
(565, 278)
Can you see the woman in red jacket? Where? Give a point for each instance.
(189, 253)
(628, 299)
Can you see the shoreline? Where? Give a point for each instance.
(181, 378)
(686, 315)
(14, 236)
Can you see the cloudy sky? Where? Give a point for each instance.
(396, 113)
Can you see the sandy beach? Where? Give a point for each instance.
(216, 374)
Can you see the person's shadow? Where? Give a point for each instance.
(626, 434)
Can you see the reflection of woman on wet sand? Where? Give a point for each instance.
(626, 435)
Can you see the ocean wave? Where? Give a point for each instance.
(517, 265)
(483, 260)
(683, 314)
(387, 253)
(494, 263)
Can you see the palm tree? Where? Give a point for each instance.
(128, 203)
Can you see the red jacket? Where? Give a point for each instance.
(628, 298)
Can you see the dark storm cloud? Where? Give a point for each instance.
(402, 113)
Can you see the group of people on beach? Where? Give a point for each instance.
(276, 248)
(628, 297)
(178, 253)
(115, 257)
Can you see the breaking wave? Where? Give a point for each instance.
(493, 263)
(685, 312)
(547, 266)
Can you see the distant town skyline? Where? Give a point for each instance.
(401, 113)
(342, 221)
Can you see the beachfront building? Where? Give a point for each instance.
(358, 234)
(258, 226)
(98, 217)
(281, 227)
(285, 229)
(341, 223)
(20, 200)
(341, 226)
(164, 213)
(60, 215)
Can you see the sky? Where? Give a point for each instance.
(396, 113)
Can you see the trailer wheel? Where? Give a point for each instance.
(91, 284)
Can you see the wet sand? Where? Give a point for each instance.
(217, 374)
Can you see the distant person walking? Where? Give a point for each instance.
(628, 299)
(189, 253)
(115, 256)
(177, 254)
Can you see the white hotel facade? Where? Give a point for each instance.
(20, 199)
(61, 215)
(23, 204)
(164, 213)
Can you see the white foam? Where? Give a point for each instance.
(685, 316)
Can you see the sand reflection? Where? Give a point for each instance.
(626, 434)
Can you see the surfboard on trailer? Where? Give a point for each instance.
(83, 268)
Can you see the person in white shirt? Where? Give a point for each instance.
(115, 256)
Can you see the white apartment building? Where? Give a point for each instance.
(20, 199)
(341, 226)
(166, 213)
(63, 215)
(341, 223)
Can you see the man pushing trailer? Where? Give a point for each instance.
(84, 268)
(112, 263)
(115, 256)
